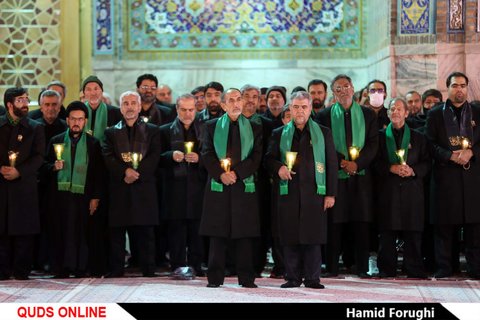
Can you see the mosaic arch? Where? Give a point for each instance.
(243, 25)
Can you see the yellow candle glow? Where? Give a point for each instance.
(354, 152)
(465, 143)
(188, 146)
(136, 157)
(59, 147)
(401, 155)
(290, 157)
(12, 158)
(225, 163)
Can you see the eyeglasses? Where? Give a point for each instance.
(148, 87)
(376, 90)
(344, 88)
(21, 100)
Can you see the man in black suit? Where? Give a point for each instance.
(131, 152)
(303, 192)
(230, 207)
(22, 146)
(453, 132)
(152, 111)
(355, 133)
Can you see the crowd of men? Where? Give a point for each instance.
(212, 182)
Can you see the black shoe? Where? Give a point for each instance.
(417, 275)
(314, 285)
(80, 274)
(384, 275)
(149, 274)
(61, 275)
(213, 285)
(291, 284)
(4, 277)
(274, 275)
(200, 273)
(249, 285)
(21, 277)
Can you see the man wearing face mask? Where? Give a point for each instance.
(377, 93)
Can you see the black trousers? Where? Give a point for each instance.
(444, 239)
(360, 245)
(16, 255)
(145, 243)
(303, 262)
(185, 244)
(243, 256)
(412, 253)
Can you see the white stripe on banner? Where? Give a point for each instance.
(464, 311)
(63, 311)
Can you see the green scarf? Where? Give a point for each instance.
(73, 179)
(318, 144)
(393, 158)
(220, 139)
(100, 120)
(338, 132)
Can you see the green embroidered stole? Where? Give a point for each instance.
(338, 131)
(393, 157)
(318, 144)
(73, 179)
(220, 140)
(100, 121)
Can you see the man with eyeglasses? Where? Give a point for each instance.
(355, 134)
(22, 146)
(152, 112)
(454, 133)
(377, 93)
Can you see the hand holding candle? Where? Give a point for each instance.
(290, 157)
(401, 154)
(59, 147)
(226, 163)
(12, 158)
(188, 146)
(354, 152)
(136, 158)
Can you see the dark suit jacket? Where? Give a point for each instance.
(455, 190)
(19, 198)
(133, 204)
(401, 200)
(301, 218)
(232, 213)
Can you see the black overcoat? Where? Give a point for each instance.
(354, 200)
(401, 200)
(133, 204)
(300, 216)
(19, 213)
(232, 213)
(455, 197)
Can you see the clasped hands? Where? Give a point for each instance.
(349, 167)
(228, 178)
(402, 170)
(461, 157)
(179, 156)
(9, 173)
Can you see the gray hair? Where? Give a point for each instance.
(249, 87)
(130, 93)
(398, 99)
(59, 84)
(50, 93)
(224, 93)
(301, 95)
(185, 96)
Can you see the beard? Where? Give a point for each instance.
(318, 104)
(147, 97)
(213, 107)
(20, 112)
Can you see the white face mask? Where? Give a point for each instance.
(376, 99)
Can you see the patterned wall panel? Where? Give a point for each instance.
(416, 17)
(103, 30)
(243, 25)
(30, 45)
(456, 16)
